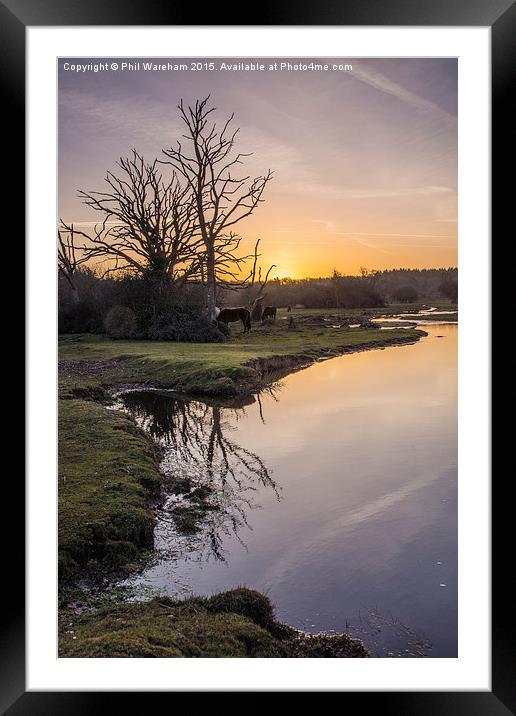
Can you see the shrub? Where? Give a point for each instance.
(120, 322)
(197, 330)
(154, 301)
(79, 318)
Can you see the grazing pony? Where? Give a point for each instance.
(269, 312)
(230, 315)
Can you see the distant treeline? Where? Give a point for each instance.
(372, 288)
(135, 307)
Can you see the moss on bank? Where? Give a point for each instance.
(108, 475)
(239, 623)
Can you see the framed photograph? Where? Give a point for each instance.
(259, 400)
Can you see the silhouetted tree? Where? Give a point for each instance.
(148, 224)
(406, 294)
(449, 288)
(69, 257)
(221, 199)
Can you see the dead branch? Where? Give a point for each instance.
(148, 223)
(206, 161)
(69, 255)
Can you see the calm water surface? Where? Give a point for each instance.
(337, 496)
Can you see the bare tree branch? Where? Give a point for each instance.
(69, 255)
(206, 161)
(148, 223)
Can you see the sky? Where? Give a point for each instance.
(364, 160)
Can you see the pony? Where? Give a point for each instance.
(230, 315)
(269, 312)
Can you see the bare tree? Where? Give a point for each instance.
(232, 274)
(222, 200)
(69, 256)
(148, 223)
(256, 283)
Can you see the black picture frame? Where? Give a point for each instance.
(500, 15)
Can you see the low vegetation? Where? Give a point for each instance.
(177, 314)
(238, 623)
(108, 478)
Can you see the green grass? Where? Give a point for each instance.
(108, 475)
(238, 624)
(239, 365)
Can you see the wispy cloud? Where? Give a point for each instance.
(368, 239)
(118, 116)
(371, 234)
(384, 84)
(382, 193)
(356, 151)
(416, 236)
(326, 224)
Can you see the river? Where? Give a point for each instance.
(336, 493)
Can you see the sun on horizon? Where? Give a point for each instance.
(364, 161)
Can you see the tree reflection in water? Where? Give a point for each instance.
(199, 450)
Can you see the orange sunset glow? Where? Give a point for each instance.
(364, 161)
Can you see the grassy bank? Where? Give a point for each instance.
(239, 623)
(243, 364)
(108, 477)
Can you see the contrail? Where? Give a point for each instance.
(384, 84)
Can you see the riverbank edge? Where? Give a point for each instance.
(271, 369)
(239, 623)
(202, 381)
(257, 374)
(109, 483)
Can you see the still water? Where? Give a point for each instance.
(336, 494)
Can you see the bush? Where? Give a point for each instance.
(155, 302)
(120, 322)
(79, 318)
(197, 330)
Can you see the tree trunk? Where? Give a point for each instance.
(257, 309)
(75, 295)
(211, 283)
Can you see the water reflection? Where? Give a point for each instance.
(202, 457)
(364, 538)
